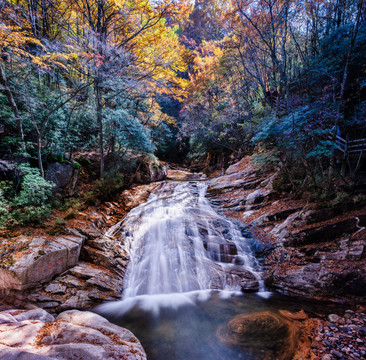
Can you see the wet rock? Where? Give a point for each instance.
(248, 286)
(74, 334)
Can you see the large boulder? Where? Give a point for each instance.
(39, 261)
(149, 171)
(64, 176)
(35, 334)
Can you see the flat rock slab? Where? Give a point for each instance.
(41, 261)
(35, 334)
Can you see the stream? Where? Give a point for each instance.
(188, 264)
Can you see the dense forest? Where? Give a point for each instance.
(184, 82)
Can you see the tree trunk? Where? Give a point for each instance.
(39, 153)
(349, 52)
(14, 107)
(99, 109)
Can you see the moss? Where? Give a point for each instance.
(7, 262)
(71, 214)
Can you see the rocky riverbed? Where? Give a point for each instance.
(315, 253)
(340, 337)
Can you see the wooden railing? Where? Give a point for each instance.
(356, 146)
(349, 147)
(352, 153)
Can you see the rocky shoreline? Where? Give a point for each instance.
(340, 337)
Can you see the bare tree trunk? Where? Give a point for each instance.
(99, 109)
(39, 153)
(14, 107)
(350, 49)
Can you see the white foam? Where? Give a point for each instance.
(264, 294)
(155, 303)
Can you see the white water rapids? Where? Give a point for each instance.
(180, 249)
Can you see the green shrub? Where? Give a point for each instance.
(60, 222)
(340, 198)
(265, 161)
(31, 205)
(4, 212)
(106, 189)
(35, 189)
(7, 188)
(30, 215)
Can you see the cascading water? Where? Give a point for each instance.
(187, 265)
(179, 243)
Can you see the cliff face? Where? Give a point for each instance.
(306, 250)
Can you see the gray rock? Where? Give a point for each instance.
(45, 259)
(71, 281)
(150, 171)
(296, 219)
(79, 301)
(338, 255)
(327, 357)
(64, 176)
(333, 318)
(103, 258)
(49, 305)
(337, 354)
(23, 315)
(355, 253)
(75, 335)
(55, 288)
(257, 196)
(84, 271)
(105, 282)
(249, 286)
(8, 353)
(6, 317)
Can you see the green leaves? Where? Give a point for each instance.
(35, 189)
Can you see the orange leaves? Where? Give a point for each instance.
(15, 39)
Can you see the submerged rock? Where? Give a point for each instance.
(35, 334)
(278, 335)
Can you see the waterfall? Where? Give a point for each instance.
(178, 243)
(187, 265)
